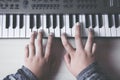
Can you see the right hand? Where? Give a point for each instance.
(80, 58)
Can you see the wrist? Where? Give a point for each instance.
(29, 73)
(87, 71)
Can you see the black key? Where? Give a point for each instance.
(71, 20)
(61, 22)
(117, 21)
(100, 20)
(94, 23)
(77, 18)
(21, 21)
(110, 19)
(48, 21)
(31, 21)
(7, 21)
(115, 4)
(87, 21)
(54, 21)
(38, 21)
(14, 21)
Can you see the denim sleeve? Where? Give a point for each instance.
(91, 73)
(21, 74)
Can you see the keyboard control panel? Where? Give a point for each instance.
(59, 6)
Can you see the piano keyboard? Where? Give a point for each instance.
(21, 26)
(18, 20)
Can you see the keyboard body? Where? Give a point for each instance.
(18, 18)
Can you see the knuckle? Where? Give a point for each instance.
(31, 44)
(65, 43)
(90, 35)
(50, 36)
(37, 58)
(49, 43)
(77, 36)
(39, 44)
(31, 59)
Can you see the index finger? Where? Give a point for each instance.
(66, 44)
(48, 46)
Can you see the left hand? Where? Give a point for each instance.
(36, 60)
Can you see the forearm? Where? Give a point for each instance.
(91, 73)
(22, 74)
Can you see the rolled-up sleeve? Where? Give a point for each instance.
(22, 74)
(91, 73)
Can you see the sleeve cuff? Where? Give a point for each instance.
(87, 71)
(29, 74)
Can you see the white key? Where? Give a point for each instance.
(118, 29)
(51, 26)
(27, 25)
(35, 24)
(57, 29)
(106, 24)
(0, 26)
(41, 26)
(102, 29)
(11, 31)
(85, 30)
(73, 28)
(46, 31)
(74, 19)
(41, 19)
(113, 28)
(90, 16)
(17, 32)
(63, 29)
(96, 29)
(4, 31)
(68, 29)
(91, 27)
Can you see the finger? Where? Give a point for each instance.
(32, 44)
(26, 51)
(39, 47)
(48, 46)
(94, 48)
(78, 40)
(67, 45)
(67, 60)
(89, 43)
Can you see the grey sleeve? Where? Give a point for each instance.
(91, 73)
(21, 74)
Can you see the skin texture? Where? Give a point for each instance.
(80, 58)
(36, 60)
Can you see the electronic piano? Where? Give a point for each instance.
(18, 18)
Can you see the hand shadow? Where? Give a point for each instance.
(104, 51)
(57, 53)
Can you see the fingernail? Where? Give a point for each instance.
(33, 33)
(91, 30)
(52, 34)
(77, 24)
(63, 33)
(41, 30)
